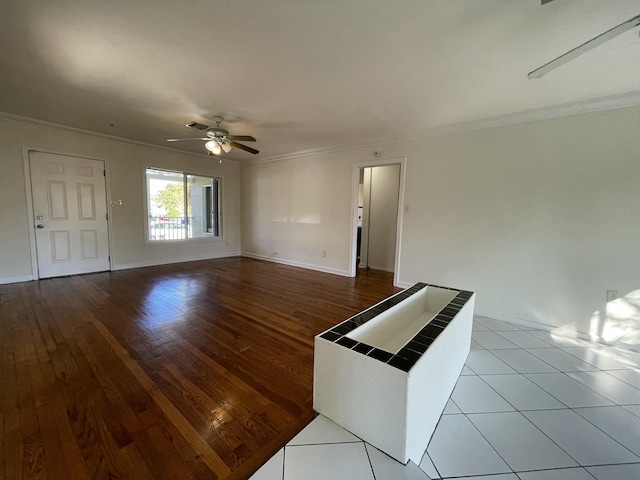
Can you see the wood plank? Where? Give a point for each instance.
(196, 370)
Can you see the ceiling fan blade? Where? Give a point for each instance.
(197, 125)
(242, 138)
(594, 42)
(546, 1)
(181, 139)
(244, 147)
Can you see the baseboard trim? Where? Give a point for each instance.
(154, 263)
(381, 269)
(575, 334)
(16, 279)
(519, 321)
(293, 263)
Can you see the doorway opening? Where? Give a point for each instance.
(378, 196)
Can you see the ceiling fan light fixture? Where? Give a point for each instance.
(213, 147)
(218, 140)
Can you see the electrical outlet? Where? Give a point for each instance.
(612, 295)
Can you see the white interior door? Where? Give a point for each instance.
(70, 213)
(381, 189)
(383, 217)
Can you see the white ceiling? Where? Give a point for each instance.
(302, 75)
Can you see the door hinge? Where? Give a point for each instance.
(104, 173)
(107, 215)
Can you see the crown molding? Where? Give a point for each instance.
(12, 117)
(613, 102)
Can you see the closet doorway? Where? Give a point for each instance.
(378, 199)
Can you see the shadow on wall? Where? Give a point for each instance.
(620, 324)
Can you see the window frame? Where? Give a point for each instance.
(185, 174)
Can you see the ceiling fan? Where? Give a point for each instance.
(218, 139)
(579, 50)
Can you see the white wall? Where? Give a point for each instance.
(125, 164)
(299, 208)
(383, 217)
(540, 219)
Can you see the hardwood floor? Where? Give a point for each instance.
(193, 370)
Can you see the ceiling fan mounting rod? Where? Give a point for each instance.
(217, 132)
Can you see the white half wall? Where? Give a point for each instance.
(125, 163)
(539, 219)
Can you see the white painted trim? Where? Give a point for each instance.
(16, 279)
(355, 179)
(145, 208)
(154, 263)
(26, 165)
(538, 326)
(308, 153)
(544, 113)
(11, 117)
(612, 102)
(380, 269)
(519, 321)
(108, 199)
(293, 263)
(572, 334)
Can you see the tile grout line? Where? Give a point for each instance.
(490, 444)
(434, 466)
(366, 451)
(284, 458)
(600, 393)
(426, 450)
(521, 412)
(568, 407)
(585, 361)
(525, 350)
(567, 353)
(632, 413)
(526, 418)
(321, 443)
(532, 336)
(605, 433)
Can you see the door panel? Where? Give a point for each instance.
(70, 212)
(60, 246)
(57, 198)
(86, 201)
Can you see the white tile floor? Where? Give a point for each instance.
(529, 405)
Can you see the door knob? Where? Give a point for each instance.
(40, 226)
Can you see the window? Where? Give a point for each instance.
(182, 206)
